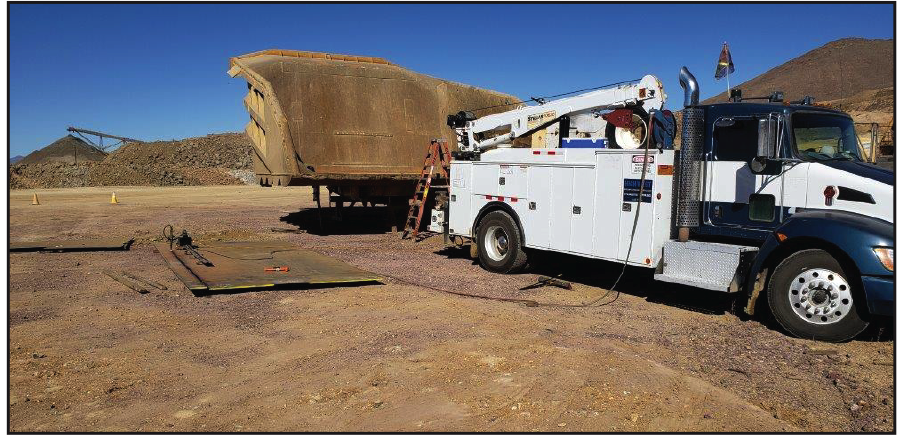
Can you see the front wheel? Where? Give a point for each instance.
(500, 243)
(810, 296)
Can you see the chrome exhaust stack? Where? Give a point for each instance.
(692, 124)
(691, 88)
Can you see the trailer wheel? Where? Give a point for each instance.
(500, 243)
(810, 296)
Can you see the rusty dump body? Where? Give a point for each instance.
(359, 125)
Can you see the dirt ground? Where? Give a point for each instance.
(88, 354)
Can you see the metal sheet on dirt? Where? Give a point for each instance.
(94, 244)
(242, 264)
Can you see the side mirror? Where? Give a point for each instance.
(767, 144)
(767, 138)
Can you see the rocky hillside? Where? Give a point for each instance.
(837, 70)
(869, 106)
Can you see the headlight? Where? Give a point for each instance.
(886, 256)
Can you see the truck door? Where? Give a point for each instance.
(734, 197)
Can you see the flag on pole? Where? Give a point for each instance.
(725, 66)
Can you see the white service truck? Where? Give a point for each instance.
(762, 199)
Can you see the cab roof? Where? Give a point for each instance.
(742, 108)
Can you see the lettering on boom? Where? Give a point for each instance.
(539, 119)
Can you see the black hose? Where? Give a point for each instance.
(637, 211)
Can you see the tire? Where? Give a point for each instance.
(810, 297)
(500, 243)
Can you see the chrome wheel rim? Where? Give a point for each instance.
(496, 243)
(820, 296)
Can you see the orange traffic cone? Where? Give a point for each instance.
(114, 200)
(34, 200)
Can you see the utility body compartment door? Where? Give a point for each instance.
(583, 209)
(513, 180)
(561, 179)
(537, 216)
(460, 212)
(608, 201)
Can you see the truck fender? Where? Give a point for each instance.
(847, 236)
(497, 206)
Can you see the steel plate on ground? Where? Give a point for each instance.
(71, 245)
(242, 264)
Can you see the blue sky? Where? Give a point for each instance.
(158, 71)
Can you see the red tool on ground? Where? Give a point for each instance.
(278, 269)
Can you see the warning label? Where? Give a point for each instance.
(632, 188)
(637, 164)
(665, 170)
(637, 168)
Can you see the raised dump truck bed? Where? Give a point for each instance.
(359, 125)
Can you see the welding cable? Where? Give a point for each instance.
(637, 212)
(526, 302)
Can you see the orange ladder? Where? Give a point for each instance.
(438, 157)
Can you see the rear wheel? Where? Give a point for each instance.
(810, 296)
(500, 243)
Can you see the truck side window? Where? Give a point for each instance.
(736, 142)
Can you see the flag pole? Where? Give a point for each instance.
(727, 80)
(728, 83)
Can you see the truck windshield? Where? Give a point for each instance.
(824, 137)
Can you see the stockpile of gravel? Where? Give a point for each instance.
(69, 149)
(49, 175)
(217, 159)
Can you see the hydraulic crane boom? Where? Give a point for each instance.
(583, 111)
